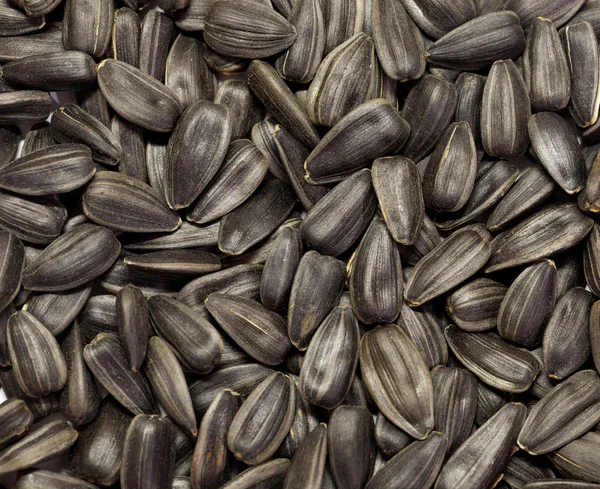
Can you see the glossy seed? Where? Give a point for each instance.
(263, 420)
(474, 306)
(244, 107)
(495, 362)
(24, 107)
(388, 349)
(486, 38)
(579, 459)
(527, 303)
(370, 131)
(268, 475)
(481, 459)
(12, 258)
(308, 464)
(468, 108)
(16, 420)
(40, 407)
(50, 480)
(87, 26)
(15, 22)
(450, 263)
(343, 19)
(551, 230)
(133, 323)
(131, 138)
(125, 42)
(156, 33)
(137, 97)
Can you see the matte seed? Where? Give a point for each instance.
(131, 138)
(244, 107)
(12, 257)
(475, 305)
(24, 107)
(125, 43)
(156, 34)
(308, 464)
(16, 420)
(343, 19)
(87, 26)
(15, 22)
(437, 17)
(268, 474)
(50, 480)
(133, 324)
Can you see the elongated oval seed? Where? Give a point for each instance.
(87, 26)
(50, 480)
(268, 474)
(263, 420)
(438, 17)
(425, 241)
(308, 464)
(579, 459)
(475, 305)
(495, 362)
(555, 10)
(24, 106)
(133, 323)
(388, 349)
(16, 419)
(12, 259)
(15, 22)
(591, 261)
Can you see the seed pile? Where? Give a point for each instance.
(331, 270)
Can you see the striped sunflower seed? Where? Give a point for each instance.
(522, 468)
(555, 10)
(50, 480)
(38, 137)
(268, 474)
(249, 30)
(156, 34)
(388, 349)
(438, 17)
(137, 97)
(156, 156)
(94, 103)
(6, 313)
(468, 108)
(47, 40)
(590, 197)
(9, 141)
(263, 136)
(15, 22)
(173, 5)
(12, 259)
(389, 438)
(98, 316)
(244, 107)
(131, 138)
(475, 305)
(527, 303)
(24, 107)
(125, 42)
(343, 19)
(579, 459)
(308, 464)
(133, 323)
(550, 426)
(595, 333)
(305, 420)
(187, 236)
(591, 261)
(263, 420)
(494, 361)
(226, 65)
(192, 18)
(372, 130)
(489, 402)
(40, 407)
(559, 483)
(426, 240)
(87, 26)
(175, 263)
(16, 420)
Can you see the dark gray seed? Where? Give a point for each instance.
(259, 332)
(6, 313)
(40, 479)
(124, 203)
(581, 48)
(156, 34)
(428, 109)
(486, 39)
(555, 10)
(192, 18)
(438, 17)
(125, 42)
(24, 106)
(241, 173)
(346, 78)
(308, 464)
(72, 124)
(351, 446)
(148, 460)
(187, 236)
(522, 468)
(87, 26)
(226, 65)
(245, 109)
(15, 22)
(455, 404)
(239, 378)
(35, 355)
(551, 230)
(341, 216)
(94, 103)
(305, 419)
(9, 143)
(284, 7)
(40, 407)
(316, 290)
(130, 137)
(505, 111)
(481, 459)
(595, 333)
(563, 158)
(276, 96)
(268, 475)
(495, 362)
(389, 359)
(579, 459)
(527, 302)
(542, 383)
(108, 361)
(590, 12)
(489, 402)
(533, 188)
(468, 108)
(560, 483)
(96, 456)
(44, 443)
(175, 263)
(566, 342)
(16, 419)
(98, 316)
(376, 261)
(133, 323)
(204, 127)
(12, 257)
(564, 414)
(263, 420)
(426, 240)
(370, 131)
(475, 305)
(38, 137)
(389, 438)
(545, 68)
(156, 157)
(243, 280)
(137, 97)
(47, 40)
(591, 194)
(247, 30)
(449, 264)
(264, 135)
(343, 19)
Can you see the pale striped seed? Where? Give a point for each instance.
(12, 259)
(125, 42)
(156, 34)
(244, 107)
(343, 19)
(263, 136)
(16, 420)
(426, 240)
(438, 17)
(590, 197)
(131, 138)
(579, 459)
(268, 474)
(40, 407)
(133, 323)
(305, 420)
(591, 263)
(50, 480)
(9, 143)
(24, 107)
(589, 12)
(5, 313)
(522, 468)
(175, 263)
(489, 402)
(559, 483)
(94, 103)
(308, 464)
(468, 108)
(15, 22)
(47, 40)
(555, 10)
(87, 26)
(475, 305)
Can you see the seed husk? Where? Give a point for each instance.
(40, 407)
(125, 43)
(5, 313)
(489, 402)
(389, 438)
(522, 468)
(9, 143)
(468, 108)
(579, 459)
(24, 107)
(192, 18)
(494, 361)
(156, 156)
(591, 263)
(87, 26)
(249, 30)
(39, 479)
(12, 258)
(94, 103)
(388, 349)
(131, 139)
(263, 136)
(559, 483)
(343, 19)
(137, 97)
(449, 264)
(243, 106)
(47, 40)
(226, 65)
(16, 419)
(345, 79)
(475, 305)
(426, 240)
(175, 263)
(263, 420)
(133, 324)
(438, 17)
(324, 228)
(564, 414)
(268, 475)
(595, 333)
(15, 22)
(148, 460)
(581, 49)
(108, 361)
(527, 303)
(44, 443)
(589, 12)
(555, 10)
(195, 341)
(552, 229)
(308, 464)
(370, 131)
(98, 316)
(481, 459)
(487, 38)
(590, 197)
(305, 420)
(156, 34)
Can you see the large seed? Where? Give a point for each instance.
(308, 464)
(555, 10)
(15, 22)
(12, 258)
(24, 107)
(131, 138)
(40, 407)
(389, 359)
(16, 419)
(244, 107)
(267, 475)
(156, 34)
(39, 479)
(133, 323)
(438, 17)
(125, 42)
(425, 241)
(495, 362)
(475, 305)
(87, 26)
(579, 459)
(343, 19)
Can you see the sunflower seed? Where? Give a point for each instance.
(12, 258)
(157, 32)
(126, 36)
(9, 143)
(438, 17)
(98, 316)
(555, 10)
(130, 137)
(16, 420)
(263, 137)
(173, 5)
(343, 19)
(24, 107)
(489, 402)
(148, 461)
(133, 323)
(44, 443)
(579, 459)
(495, 362)
(192, 18)
(87, 26)
(175, 263)
(270, 474)
(481, 459)
(305, 420)
(249, 30)
(96, 456)
(551, 230)
(468, 108)
(47, 40)
(591, 264)
(50, 480)
(426, 240)
(5, 313)
(589, 12)
(226, 65)
(450, 263)
(522, 468)
(389, 438)
(487, 38)
(137, 97)
(559, 483)
(244, 107)
(263, 421)
(388, 349)
(308, 464)
(348, 146)
(15, 22)
(591, 194)
(275, 95)
(474, 306)
(94, 103)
